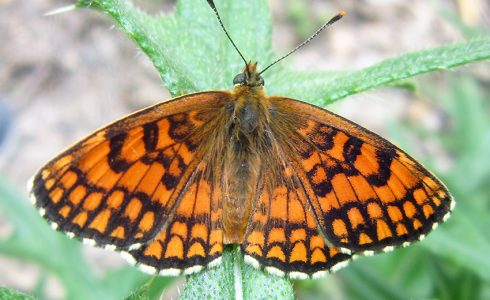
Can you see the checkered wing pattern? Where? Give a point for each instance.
(283, 235)
(365, 193)
(133, 185)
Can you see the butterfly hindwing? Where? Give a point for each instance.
(283, 235)
(120, 186)
(194, 236)
(366, 194)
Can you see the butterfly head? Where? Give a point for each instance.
(249, 77)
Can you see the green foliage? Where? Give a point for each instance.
(188, 47)
(192, 54)
(235, 278)
(7, 294)
(215, 283)
(469, 142)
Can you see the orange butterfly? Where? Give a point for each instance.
(300, 189)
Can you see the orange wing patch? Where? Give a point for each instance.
(367, 195)
(194, 236)
(120, 186)
(283, 234)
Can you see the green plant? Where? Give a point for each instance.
(192, 54)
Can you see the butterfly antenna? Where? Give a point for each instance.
(327, 24)
(211, 3)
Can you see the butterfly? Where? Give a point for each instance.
(301, 190)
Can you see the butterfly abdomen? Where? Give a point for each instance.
(243, 155)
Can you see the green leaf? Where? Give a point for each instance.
(213, 283)
(257, 284)
(141, 293)
(234, 279)
(188, 47)
(323, 88)
(8, 294)
(453, 283)
(192, 53)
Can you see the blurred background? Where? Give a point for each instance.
(63, 76)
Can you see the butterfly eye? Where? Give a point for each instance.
(239, 79)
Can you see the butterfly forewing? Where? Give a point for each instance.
(121, 185)
(366, 193)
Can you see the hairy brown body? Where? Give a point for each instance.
(243, 154)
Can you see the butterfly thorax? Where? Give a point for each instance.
(247, 135)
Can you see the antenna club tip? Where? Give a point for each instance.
(342, 13)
